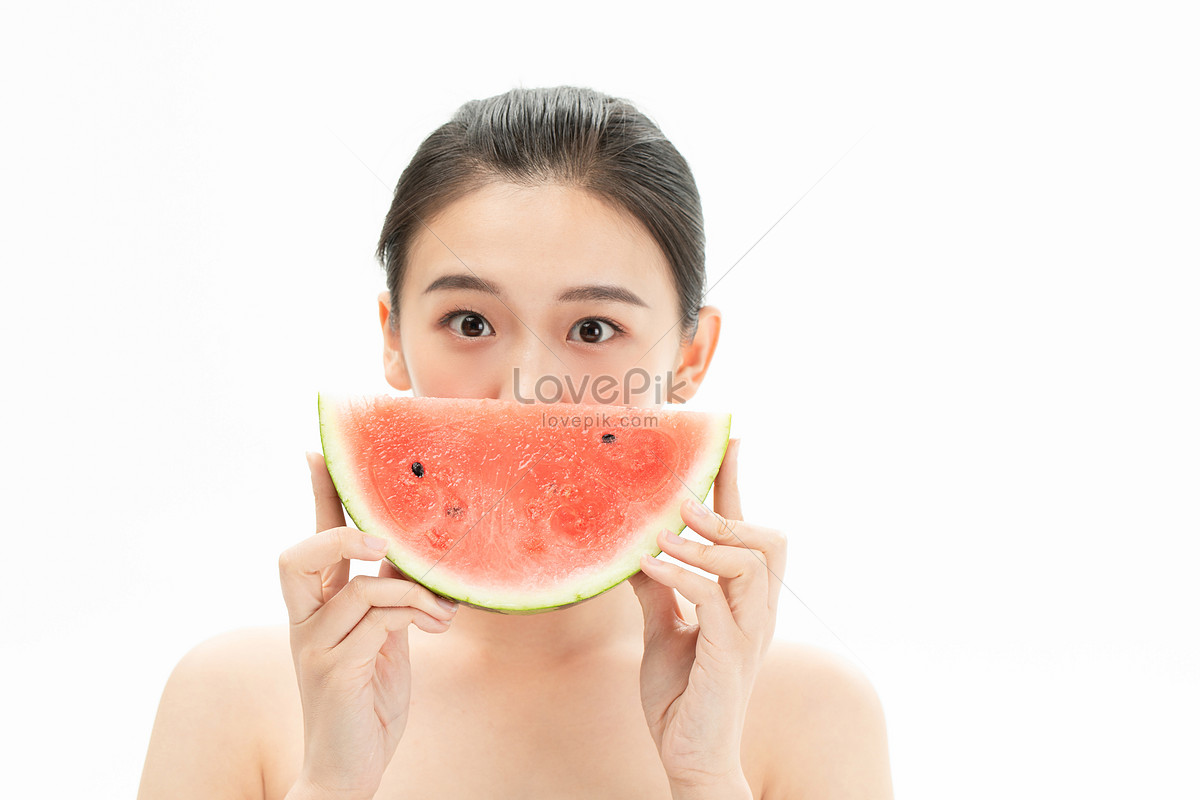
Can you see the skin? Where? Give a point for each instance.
(675, 671)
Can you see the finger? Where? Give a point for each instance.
(721, 530)
(743, 575)
(727, 500)
(736, 533)
(302, 566)
(732, 563)
(329, 515)
(367, 640)
(660, 607)
(392, 675)
(329, 505)
(394, 654)
(712, 609)
(351, 605)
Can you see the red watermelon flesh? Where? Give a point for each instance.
(517, 507)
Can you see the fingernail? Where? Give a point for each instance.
(447, 604)
(697, 508)
(375, 543)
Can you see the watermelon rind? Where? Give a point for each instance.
(607, 576)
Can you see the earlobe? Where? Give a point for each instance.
(696, 355)
(394, 368)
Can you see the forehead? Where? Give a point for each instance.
(545, 235)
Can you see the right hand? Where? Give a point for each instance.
(350, 648)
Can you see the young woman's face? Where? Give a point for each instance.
(542, 294)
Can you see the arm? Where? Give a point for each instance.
(205, 738)
(828, 723)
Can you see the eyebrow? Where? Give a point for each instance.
(595, 292)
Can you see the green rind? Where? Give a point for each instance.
(599, 583)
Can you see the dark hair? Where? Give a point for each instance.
(564, 135)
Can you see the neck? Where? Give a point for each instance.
(559, 637)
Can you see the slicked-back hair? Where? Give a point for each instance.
(570, 136)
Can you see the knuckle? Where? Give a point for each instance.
(290, 560)
(375, 618)
(713, 592)
(728, 527)
(393, 619)
(359, 586)
(751, 560)
(427, 597)
(761, 565)
(777, 539)
(710, 558)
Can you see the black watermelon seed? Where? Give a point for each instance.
(608, 438)
(418, 470)
(453, 511)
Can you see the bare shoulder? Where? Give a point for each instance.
(238, 671)
(214, 714)
(822, 724)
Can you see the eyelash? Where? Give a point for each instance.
(618, 330)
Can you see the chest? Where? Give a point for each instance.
(598, 752)
(563, 744)
(471, 735)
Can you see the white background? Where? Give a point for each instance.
(964, 367)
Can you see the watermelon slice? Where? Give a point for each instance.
(515, 507)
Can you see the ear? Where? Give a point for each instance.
(394, 368)
(696, 355)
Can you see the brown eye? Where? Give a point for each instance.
(592, 331)
(469, 325)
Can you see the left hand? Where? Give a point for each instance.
(696, 679)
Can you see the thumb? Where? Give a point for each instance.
(660, 606)
(325, 496)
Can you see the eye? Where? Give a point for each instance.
(467, 324)
(593, 330)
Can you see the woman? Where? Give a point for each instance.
(540, 232)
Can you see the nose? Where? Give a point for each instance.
(532, 374)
